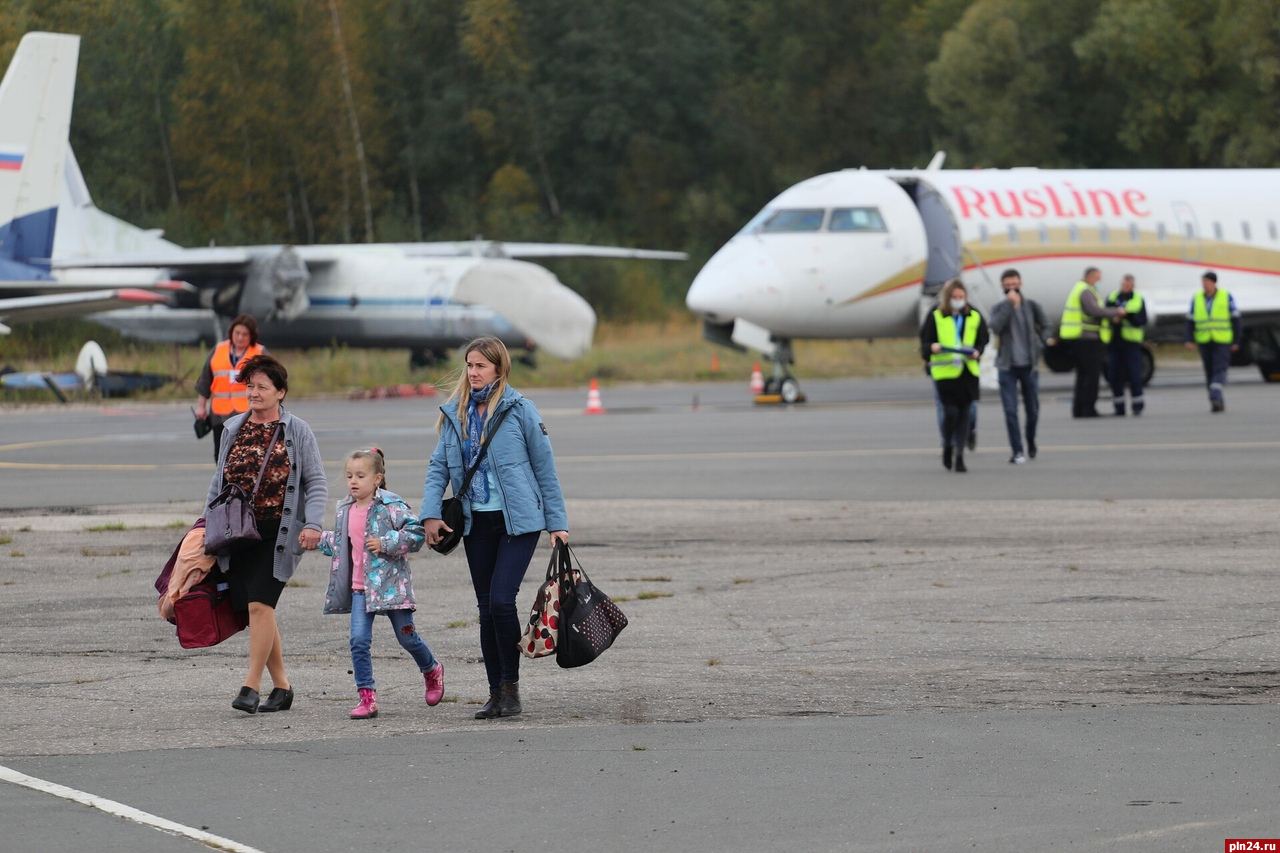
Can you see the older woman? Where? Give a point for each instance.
(219, 395)
(289, 510)
(952, 339)
(514, 496)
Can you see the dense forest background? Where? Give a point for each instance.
(662, 123)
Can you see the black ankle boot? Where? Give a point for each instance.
(490, 709)
(509, 705)
(246, 701)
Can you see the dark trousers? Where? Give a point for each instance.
(955, 426)
(1029, 378)
(1124, 368)
(498, 563)
(1088, 353)
(218, 430)
(1216, 359)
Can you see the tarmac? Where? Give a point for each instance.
(834, 643)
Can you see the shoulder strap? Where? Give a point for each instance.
(484, 446)
(266, 457)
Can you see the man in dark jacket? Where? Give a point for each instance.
(1124, 346)
(1024, 333)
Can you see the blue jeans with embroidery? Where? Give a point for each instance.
(362, 640)
(498, 562)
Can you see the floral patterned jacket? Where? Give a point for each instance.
(387, 582)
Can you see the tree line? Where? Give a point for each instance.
(662, 124)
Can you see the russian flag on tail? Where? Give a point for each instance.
(11, 158)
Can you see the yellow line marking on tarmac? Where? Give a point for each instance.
(111, 807)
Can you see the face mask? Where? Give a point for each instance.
(957, 304)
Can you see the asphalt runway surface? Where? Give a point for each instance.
(835, 644)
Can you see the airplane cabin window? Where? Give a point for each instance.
(1104, 236)
(1217, 230)
(1134, 235)
(1271, 230)
(983, 235)
(802, 219)
(1073, 232)
(1161, 234)
(1013, 234)
(1044, 233)
(856, 219)
(1244, 229)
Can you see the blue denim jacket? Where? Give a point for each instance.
(520, 458)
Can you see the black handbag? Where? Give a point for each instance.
(589, 620)
(451, 508)
(229, 525)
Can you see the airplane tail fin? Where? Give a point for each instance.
(35, 117)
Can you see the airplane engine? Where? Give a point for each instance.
(275, 286)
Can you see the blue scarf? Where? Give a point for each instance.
(479, 490)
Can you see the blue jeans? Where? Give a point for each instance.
(1029, 378)
(362, 640)
(498, 563)
(942, 431)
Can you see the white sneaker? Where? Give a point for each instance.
(1017, 459)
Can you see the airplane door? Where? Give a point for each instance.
(1189, 229)
(942, 234)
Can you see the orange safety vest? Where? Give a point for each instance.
(228, 395)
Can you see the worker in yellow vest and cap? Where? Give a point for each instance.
(1214, 325)
(1124, 346)
(1081, 330)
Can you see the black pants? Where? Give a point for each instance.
(1124, 368)
(1088, 353)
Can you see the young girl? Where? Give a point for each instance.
(373, 531)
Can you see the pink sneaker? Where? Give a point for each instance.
(435, 684)
(368, 707)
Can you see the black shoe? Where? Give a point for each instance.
(247, 700)
(281, 699)
(1085, 414)
(1031, 447)
(490, 709)
(509, 704)
(973, 439)
(946, 457)
(1119, 411)
(1216, 406)
(960, 469)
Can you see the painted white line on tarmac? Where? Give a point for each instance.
(127, 812)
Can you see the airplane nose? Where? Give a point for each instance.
(740, 280)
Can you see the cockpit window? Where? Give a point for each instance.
(856, 219)
(782, 221)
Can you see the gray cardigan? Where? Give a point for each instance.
(1001, 317)
(306, 492)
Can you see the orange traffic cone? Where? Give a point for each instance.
(757, 380)
(593, 400)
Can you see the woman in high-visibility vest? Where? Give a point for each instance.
(219, 394)
(952, 339)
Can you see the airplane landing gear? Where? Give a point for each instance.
(426, 357)
(782, 386)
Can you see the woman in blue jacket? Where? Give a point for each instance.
(514, 496)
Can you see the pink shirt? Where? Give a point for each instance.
(357, 522)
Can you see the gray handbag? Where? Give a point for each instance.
(229, 525)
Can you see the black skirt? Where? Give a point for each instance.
(250, 576)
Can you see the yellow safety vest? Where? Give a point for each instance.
(1215, 326)
(949, 365)
(228, 395)
(1128, 332)
(1074, 320)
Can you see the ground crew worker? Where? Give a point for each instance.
(1124, 346)
(1081, 328)
(1214, 325)
(952, 339)
(219, 395)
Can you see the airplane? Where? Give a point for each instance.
(427, 297)
(90, 375)
(37, 115)
(863, 253)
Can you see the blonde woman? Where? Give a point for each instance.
(514, 496)
(952, 339)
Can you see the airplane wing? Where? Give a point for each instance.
(497, 249)
(51, 306)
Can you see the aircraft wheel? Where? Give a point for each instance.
(1148, 366)
(1270, 371)
(790, 390)
(770, 386)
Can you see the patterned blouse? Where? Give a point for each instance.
(245, 458)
